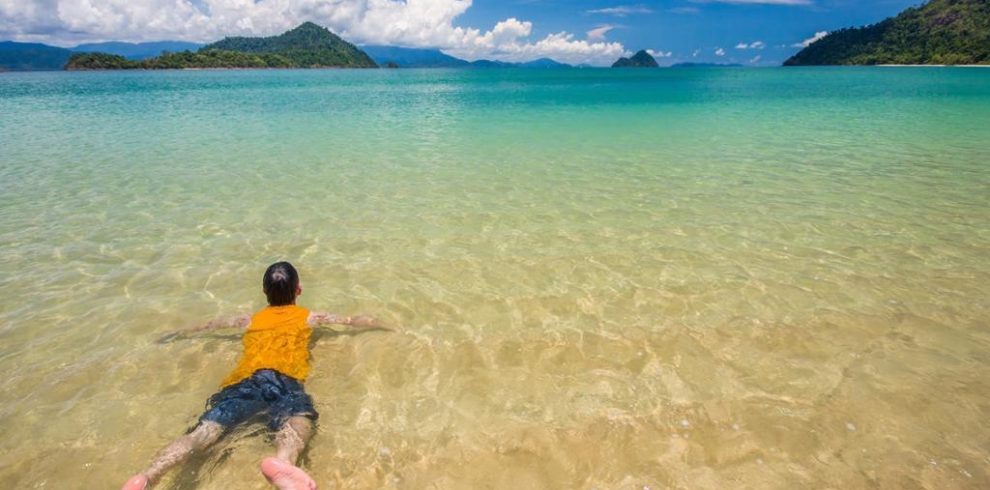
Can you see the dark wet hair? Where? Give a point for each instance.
(280, 284)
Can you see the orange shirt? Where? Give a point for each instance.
(277, 338)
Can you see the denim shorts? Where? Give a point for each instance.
(266, 391)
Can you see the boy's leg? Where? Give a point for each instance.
(290, 440)
(291, 417)
(205, 434)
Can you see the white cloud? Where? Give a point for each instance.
(412, 23)
(507, 42)
(660, 54)
(810, 40)
(756, 59)
(752, 45)
(560, 46)
(622, 10)
(598, 33)
(719, 52)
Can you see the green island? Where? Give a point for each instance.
(306, 46)
(941, 32)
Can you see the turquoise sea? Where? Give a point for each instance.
(599, 279)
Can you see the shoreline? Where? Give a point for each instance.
(894, 65)
(219, 68)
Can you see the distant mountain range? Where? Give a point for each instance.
(137, 51)
(31, 57)
(951, 32)
(16, 56)
(543, 63)
(308, 45)
(706, 65)
(413, 57)
(434, 58)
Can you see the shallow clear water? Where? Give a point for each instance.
(707, 278)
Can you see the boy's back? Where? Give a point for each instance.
(277, 338)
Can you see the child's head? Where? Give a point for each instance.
(281, 284)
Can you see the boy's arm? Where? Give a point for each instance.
(239, 321)
(321, 318)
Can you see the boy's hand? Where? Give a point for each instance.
(363, 321)
(239, 321)
(168, 337)
(317, 318)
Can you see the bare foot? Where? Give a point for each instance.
(137, 482)
(286, 476)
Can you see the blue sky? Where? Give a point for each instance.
(756, 32)
(683, 27)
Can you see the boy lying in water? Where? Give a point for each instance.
(267, 379)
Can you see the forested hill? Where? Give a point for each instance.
(950, 32)
(306, 46)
